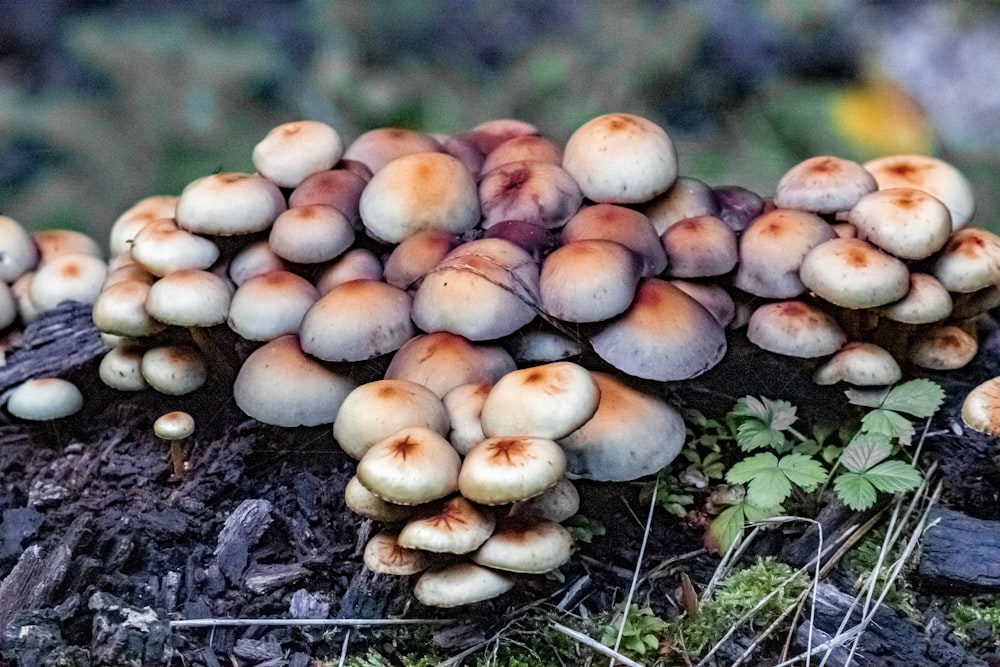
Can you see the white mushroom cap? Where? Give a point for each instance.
(375, 410)
(417, 255)
(281, 385)
(523, 147)
(137, 216)
(174, 425)
(120, 309)
(42, 399)
(229, 203)
(18, 253)
(942, 348)
(556, 503)
(292, 151)
(464, 404)
(490, 134)
(664, 335)
(926, 301)
(547, 401)
(852, 273)
(310, 234)
(700, 247)
(772, 248)
(174, 370)
(907, 222)
(930, 174)
(621, 158)
(355, 264)
(795, 329)
(161, 247)
(72, 277)
(121, 368)
(507, 469)
(441, 361)
(453, 526)
(380, 146)
(8, 306)
(981, 407)
(417, 192)
(366, 503)
(190, 298)
(589, 280)
(357, 320)
(384, 555)
(52, 243)
(824, 184)
(410, 467)
(21, 290)
(541, 193)
(339, 188)
(254, 259)
(969, 261)
(687, 198)
(525, 545)
(542, 343)
(122, 268)
(861, 364)
(631, 435)
(270, 305)
(460, 584)
(623, 225)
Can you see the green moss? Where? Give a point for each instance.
(965, 612)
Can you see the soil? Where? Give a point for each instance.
(102, 544)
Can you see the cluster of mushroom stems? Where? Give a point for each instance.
(472, 311)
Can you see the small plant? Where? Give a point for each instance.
(862, 560)
(964, 613)
(583, 528)
(641, 634)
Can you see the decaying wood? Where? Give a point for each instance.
(960, 553)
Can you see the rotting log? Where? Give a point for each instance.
(960, 553)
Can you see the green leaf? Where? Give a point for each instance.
(749, 406)
(725, 529)
(754, 434)
(868, 398)
(894, 476)
(854, 490)
(889, 423)
(919, 397)
(865, 450)
(803, 471)
(769, 480)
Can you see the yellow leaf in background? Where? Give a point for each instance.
(877, 117)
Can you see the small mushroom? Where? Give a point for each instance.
(270, 305)
(20, 254)
(70, 277)
(541, 193)
(795, 328)
(229, 203)
(622, 225)
(981, 407)
(460, 584)
(380, 146)
(174, 370)
(969, 261)
(175, 427)
(452, 526)
(190, 298)
(700, 247)
(310, 234)
(589, 280)
(852, 273)
(383, 554)
(942, 348)
(293, 151)
(557, 503)
(824, 184)
(507, 469)
(44, 399)
(530, 546)
(410, 467)
(931, 175)
(860, 364)
(161, 247)
(906, 222)
(441, 361)
(686, 198)
(366, 503)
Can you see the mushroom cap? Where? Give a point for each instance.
(556, 503)
(366, 503)
(589, 280)
(528, 546)
(120, 309)
(137, 216)
(71, 277)
(664, 335)
(547, 401)
(738, 206)
(931, 175)
(795, 329)
(384, 555)
(355, 264)
(459, 584)
(190, 298)
(281, 385)
(175, 425)
(161, 247)
(860, 364)
(852, 273)
(700, 247)
(969, 261)
(357, 320)
(229, 203)
(441, 361)
(621, 158)
(981, 407)
(623, 225)
(453, 526)
(41, 399)
(535, 239)
(714, 298)
(942, 348)
(8, 306)
(523, 147)
(417, 192)
(906, 222)
(174, 370)
(686, 198)
(417, 255)
(488, 135)
(310, 234)
(632, 434)
(254, 259)
(772, 248)
(464, 404)
(121, 367)
(824, 184)
(18, 253)
(292, 151)
(52, 243)
(412, 466)
(541, 193)
(926, 301)
(339, 188)
(270, 305)
(507, 469)
(375, 410)
(380, 146)
(542, 343)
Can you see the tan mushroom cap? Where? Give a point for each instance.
(72, 277)
(417, 192)
(310, 234)
(523, 147)
(621, 158)
(417, 255)
(270, 305)
(824, 184)
(120, 309)
(137, 216)
(488, 135)
(981, 408)
(357, 320)
(42, 399)
(590, 280)
(714, 298)
(687, 198)
(412, 466)
(527, 546)
(441, 361)
(464, 405)
(339, 188)
(796, 329)
(664, 335)
(852, 273)
(969, 261)
(942, 348)
(556, 503)
(860, 364)
(772, 248)
(384, 555)
(541, 193)
(355, 264)
(174, 370)
(375, 410)
(366, 503)
(631, 435)
(229, 203)
(507, 469)
(460, 584)
(19, 253)
(292, 151)
(8, 306)
(623, 225)
(547, 401)
(930, 174)
(454, 526)
(906, 222)
(52, 243)
(161, 247)
(190, 298)
(254, 259)
(174, 425)
(926, 301)
(380, 146)
(700, 247)
(281, 385)
(121, 368)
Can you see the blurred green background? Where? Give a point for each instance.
(103, 103)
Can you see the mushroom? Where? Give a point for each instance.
(969, 261)
(503, 470)
(906, 222)
(43, 399)
(417, 255)
(70, 277)
(556, 503)
(254, 259)
(355, 264)
(383, 554)
(931, 175)
(340, 188)
(714, 298)
(687, 198)
(161, 247)
(942, 348)
(738, 206)
(981, 407)
(520, 148)
(412, 466)
(441, 361)
(380, 146)
(175, 427)
(137, 216)
(52, 243)
(19, 255)
(121, 367)
(488, 135)
(700, 247)
(174, 370)
(366, 503)
(531, 546)
(824, 184)
(589, 280)
(852, 273)
(464, 404)
(460, 584)
(795, 328)
(270, 305)
(541, 193)
(310, 234)
(293, 151)
(926, 301)
(623, 225)
(860, 364)
(190, 298)
(453, 526)
(120, 309)
(229, 203)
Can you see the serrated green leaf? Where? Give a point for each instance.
(865, 450)
(894, 476)
(782, 414)
(752, 513)
(754, 434)
(750, 406)
(745, 470)
(868, 398)
(855, 491)
(803, 471)
(919, 397)
(769, 488)
(889, 423)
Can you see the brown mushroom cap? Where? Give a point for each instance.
(310, 234)
(441, 361)
(459, 584)
(590, 280)
(930, 174)
(525, 545)
(981, 407)
(453, 526)
(410, 467)
(942, 348)
(852, 273)
(72, 277)
(383, 554)
(52, 243)
(137, 216)
(969, 261)
(270, 305)
(824, 184)
(926, 301)
(687, 197)
(506, 469)
(623, 225)
(700, 247)
(906, 222)
(174, 425)
(229, 203)
(795, 329)
(541, 193)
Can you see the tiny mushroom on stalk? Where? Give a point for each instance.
(310, 234)
(460, 584)
(292, 151)
(175, 427)
(981, 407)
(42, 399)
(824, 184)
(410, 467)
(503, 470)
